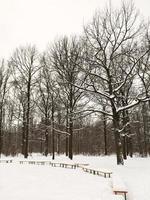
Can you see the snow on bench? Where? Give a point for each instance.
(34, 162)
(117, 197)
(53, 164)
(119, 187)
(5, 161)
(68, 165)
(65, 165)
(80, 165)
(97, 171)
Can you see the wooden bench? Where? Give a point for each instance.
(24, 162)
(54, 164)
(68, 165)
(43, 162)
(34, 162)
(117, 197)
(5, 161)
(101, 172)
(65, 165)
(119, 187)
(80, 165)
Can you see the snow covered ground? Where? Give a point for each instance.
(43, 182)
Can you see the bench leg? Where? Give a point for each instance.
(125, 196)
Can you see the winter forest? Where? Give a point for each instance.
(87, 94)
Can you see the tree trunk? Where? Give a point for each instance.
(105, 132)
(53, 133)
(118, 144)
(28, 117)
(67, 139)
(1, 135)
(67, 145)
(71, 122)
(46, 142)
(70, 139)
(58, 144)
(139, 138)
(124, 147)
(130, 147)
(23, 133)
(144, 115)
(46, 137)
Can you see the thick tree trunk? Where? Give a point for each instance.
(105, 132)
(53, 145)
(138, 134)
(139, 139)
(67, 145)
(71, 125)
(118, 144)
(1, 130)
(124, 138)
(130, 147)
(58, 144)
(53, 133)
(23, 133)
(71, 139)
(78, 144)
(46, 142)
(67, 139)
(46, 137)
(28, 117)
(1, 137)
(144, 115)
(124, 147)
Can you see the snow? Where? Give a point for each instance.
(27, 181)
(118, 184)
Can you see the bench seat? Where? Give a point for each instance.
(5, 161)
(34, 162)
(119, 187)
(65, 165)
(80, 165)
(97, 171)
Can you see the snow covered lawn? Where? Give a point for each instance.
(36, 182)
(43, 182)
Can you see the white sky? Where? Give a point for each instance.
(41, 21)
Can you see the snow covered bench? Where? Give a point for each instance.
(119, 187)
(65, 165)
(80, 165)
(97, 171)
(34, 162)
(5, 161)
(117, 197)
(68, 165)
(42, 162)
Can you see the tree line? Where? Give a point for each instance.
(86, 94)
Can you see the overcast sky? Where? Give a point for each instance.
(41, 21)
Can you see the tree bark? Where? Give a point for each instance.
(124, 147)
(53, 133)
(28, 116)
(1, 134)
(105, 133)
(67, 139)
(118, 144)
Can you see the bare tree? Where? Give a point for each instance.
(67, 61)
(111, 40)
(25, 64)
(4, 76)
